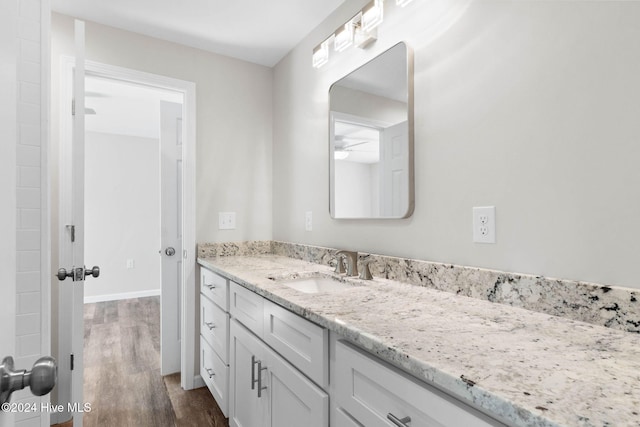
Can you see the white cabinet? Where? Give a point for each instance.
(370, 393)
(269, 367)
(268, 391)
(214, 336)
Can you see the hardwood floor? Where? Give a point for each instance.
(122, 378)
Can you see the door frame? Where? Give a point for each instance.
(189, 378)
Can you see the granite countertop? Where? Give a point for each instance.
(524, 368)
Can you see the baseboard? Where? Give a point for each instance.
(198, 382)
(126, 295)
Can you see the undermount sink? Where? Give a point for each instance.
(314, 283)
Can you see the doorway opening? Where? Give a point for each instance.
(123, 187)
(112, 150)
(133, 170)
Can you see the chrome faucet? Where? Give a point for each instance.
(352, 261)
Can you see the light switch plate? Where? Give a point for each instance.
(484, 224)
(226, 220)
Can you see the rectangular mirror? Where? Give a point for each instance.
(371, 139)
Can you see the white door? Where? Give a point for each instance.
(8, 135)
(171, 234)
(71, 289)
(394, 167)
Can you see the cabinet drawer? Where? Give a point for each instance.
(370, 391)
(215, 374)
(215, 287)
(247, 307)
(214, 327)
(303, 343)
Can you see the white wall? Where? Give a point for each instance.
(122, 215)
(532, 107)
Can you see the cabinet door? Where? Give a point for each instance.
(292, 398)
(246, 408)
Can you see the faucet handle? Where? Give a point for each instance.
(365, 273)
(339, 267)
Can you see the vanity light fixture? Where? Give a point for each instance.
(362, 38)
(321, 54)
(361, 31)
(344, 37)
(372, 15)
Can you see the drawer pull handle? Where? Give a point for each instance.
(260, 387)
(210, 325)
(210, 372)
(398, 421)
(253, 374)
(211, 287)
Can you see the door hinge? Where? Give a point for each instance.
(73, 107)
(71, 361)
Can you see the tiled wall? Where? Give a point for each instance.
(31, 199)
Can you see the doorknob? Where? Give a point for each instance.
(95, 271)
(63, 274)
(170, 251)
(78, 274)
(41, 379)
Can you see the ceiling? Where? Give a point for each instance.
(257, 31)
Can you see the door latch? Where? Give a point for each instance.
(72, 232)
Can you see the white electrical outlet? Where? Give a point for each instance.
(226, 220)
(484, 224)
(131, 263)
(308, 221)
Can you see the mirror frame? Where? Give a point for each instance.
(410, 123)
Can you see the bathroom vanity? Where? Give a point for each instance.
(380, 352)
